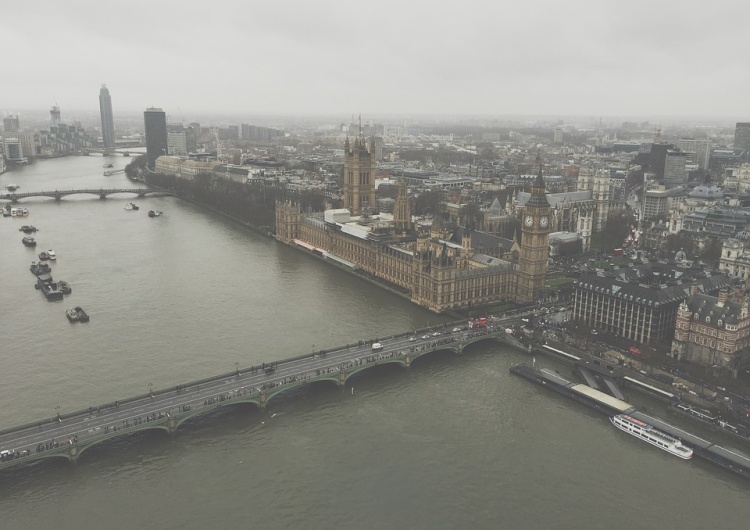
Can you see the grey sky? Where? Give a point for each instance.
(381, 57)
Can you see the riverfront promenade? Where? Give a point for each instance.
(68, 435)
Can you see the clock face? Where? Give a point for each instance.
(529, 220)
(544, 222)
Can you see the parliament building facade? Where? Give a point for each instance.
(438, 267)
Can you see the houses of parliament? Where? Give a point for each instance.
(437, 266)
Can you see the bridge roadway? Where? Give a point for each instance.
(101, 192)
(68, 435)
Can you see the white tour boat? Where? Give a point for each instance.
(648, 433)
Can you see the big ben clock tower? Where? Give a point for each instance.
(534, 251)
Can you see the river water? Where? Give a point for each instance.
(453, 442)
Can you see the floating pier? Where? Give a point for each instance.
(606, 404)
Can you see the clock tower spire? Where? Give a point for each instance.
(534, 248)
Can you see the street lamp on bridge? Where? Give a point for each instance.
(237, 368)
(313, 348)
(57, 409)
(150, 389)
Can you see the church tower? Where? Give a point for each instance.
(359, 175)
(534, 251)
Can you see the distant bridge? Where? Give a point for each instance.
(102, 193)
(68, 435)
(120, 149)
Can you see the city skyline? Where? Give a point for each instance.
(580, 58)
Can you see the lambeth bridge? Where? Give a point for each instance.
(69, 435)
(102, 193)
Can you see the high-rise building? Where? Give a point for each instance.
(155, 122)
(190, 138)
(11, 123)
(659, 157)
(742, 136)
(558, 136)
(13, 150)
(698, 151)
(177, 142)
(108, 123)
(54, 115)
(674, 169)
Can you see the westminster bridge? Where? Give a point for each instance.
(102, 193)
(69, 435)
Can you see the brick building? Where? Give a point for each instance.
(713, 330)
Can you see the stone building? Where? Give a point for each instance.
(639, 303)
(440, 268)
(735, 259)
(360, 166)
(738, 180)
(713, 330)
(572, 212)
(598, 182)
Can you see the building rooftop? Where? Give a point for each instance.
(706, 308)
(653, 284)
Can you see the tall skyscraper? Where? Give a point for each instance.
(10, 123)
(108, 123)
(742, 136)
(155, 122)
(54, 115)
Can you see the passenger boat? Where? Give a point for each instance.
(64, 287)
(28, 241)
(648, 433)
(19, 212)
(131, 206)
(52, 255)
(44, 255)
(154, 213)
(72, 314)
(27, 229)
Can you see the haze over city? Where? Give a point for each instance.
(330, 57)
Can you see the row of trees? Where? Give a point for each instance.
(255, 204)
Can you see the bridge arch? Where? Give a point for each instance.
(150, 426)
(453, 348)
(193, 413)
(278, 390)
(481, 338)
(355, 370)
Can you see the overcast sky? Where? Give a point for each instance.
(492, 57)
